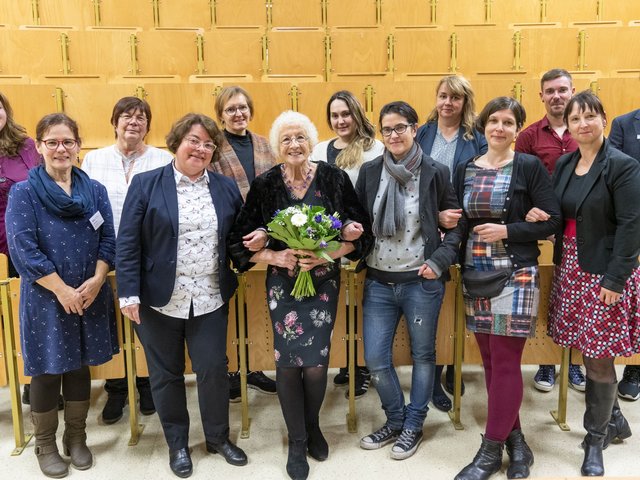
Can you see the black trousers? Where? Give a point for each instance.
(117, 387)
(163, 339)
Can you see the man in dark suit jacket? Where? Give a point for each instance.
(625, 136)
(625, 133)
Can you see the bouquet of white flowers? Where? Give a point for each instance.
(306, 228)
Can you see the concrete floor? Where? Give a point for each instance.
(442, 454)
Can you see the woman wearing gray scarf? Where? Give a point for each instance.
(403, 190)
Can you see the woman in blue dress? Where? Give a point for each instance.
(62, 242)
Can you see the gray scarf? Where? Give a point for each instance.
(390, 217)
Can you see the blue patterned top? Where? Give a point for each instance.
(41, 243)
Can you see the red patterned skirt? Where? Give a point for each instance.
(580, 320)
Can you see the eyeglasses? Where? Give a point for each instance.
(195, 143)
(240, 108)
(286, 141)
(141, 119)
(399, 129)
(67, 143)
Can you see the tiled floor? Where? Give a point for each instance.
(442, 454)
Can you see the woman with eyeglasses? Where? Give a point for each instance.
(301, 328)
(243, 156)
(115, 166)
(403, 190)
(175, 282)
(354, 144)
(61, 239)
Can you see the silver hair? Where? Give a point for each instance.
(291, 118)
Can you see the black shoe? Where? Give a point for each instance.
(234, 387)
(180, 462)
(342, 377)
(259, 381)
(317, 445)
(487, 461)
(147, 407)
(363, 379)
(297, 465)
(233, 454)
(441, 401)
(628, 388)
(112, 411)
(520, 455)
(448, 381)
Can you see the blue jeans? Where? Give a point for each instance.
(383, 305)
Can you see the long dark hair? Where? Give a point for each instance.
(12, 136)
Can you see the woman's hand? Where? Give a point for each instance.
(256, 240)
(284, 258)
(89, 289)
(70, 299)
(308, 260)
(449, 218)
(491, 232)
(427, 272)
(536, 215)
(609, 297)
(132, 312)
(352, 231)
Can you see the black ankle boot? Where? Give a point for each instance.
(487, 461)
(316, 444)
(297, 465)
(520, 455)
(618, 428)
(599, 401)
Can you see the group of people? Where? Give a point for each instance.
(452, 191)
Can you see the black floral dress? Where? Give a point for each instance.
(302, 329)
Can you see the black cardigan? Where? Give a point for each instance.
(607, 215)
(530, 187)
(268, 193)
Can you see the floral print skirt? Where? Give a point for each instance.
(302, 329)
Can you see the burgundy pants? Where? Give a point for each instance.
(501, 357)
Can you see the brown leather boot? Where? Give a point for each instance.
(45, 425)
(74, 439)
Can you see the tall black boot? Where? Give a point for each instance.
(619, 428)
(599, 400)
(520, 455)
(487, 461)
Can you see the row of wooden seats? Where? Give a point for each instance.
(198, 56)
(311, 13)
(91, 104)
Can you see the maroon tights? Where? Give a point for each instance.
(501, 357)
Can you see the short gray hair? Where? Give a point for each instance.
(291, 118)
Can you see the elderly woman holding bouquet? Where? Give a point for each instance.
(314, 201)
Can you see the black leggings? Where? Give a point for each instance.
(301, 392)
(76, 387)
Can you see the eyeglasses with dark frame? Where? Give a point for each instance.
(141, 119)
(399, 129)
(195, 143)
(52, 144)
(238, 108)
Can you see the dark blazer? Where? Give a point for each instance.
(625, 133)
(268, 193)
(530, 187)
(465, 149)
(436, 194)
(607, 215)
(147, 243)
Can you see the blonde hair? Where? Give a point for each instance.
(352, 155)
(458, 85)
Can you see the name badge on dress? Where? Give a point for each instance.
(96, 220)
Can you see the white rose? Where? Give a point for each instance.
(299, 219)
